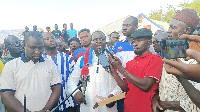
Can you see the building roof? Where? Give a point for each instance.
(117, 25)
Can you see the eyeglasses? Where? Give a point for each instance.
(156, 42)
(19, 42)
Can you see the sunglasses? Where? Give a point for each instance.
(156, 42)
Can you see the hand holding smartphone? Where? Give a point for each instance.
(174, 48)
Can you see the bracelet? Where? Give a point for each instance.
(46, 109)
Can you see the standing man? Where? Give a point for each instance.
(106, 87)
(56, 32)
(26, 31)
(14, 46)
(72, 32)
(173, 90)
(142, 73)
(48, 29)
(157, 39)
(64, 33)
(124, 49)
(85, 38)
(114, 38)
(64, 64)
(32, 77)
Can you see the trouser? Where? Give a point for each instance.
(120, 105)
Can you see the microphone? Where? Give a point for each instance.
(84, 78)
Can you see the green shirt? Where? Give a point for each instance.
(7, 59)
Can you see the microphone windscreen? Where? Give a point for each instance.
(85, 70)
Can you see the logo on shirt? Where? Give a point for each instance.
(119, 48)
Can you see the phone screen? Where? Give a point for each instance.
(173, 48)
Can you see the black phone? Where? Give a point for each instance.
(108, 52)
(173, 48)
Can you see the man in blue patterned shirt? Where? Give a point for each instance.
(65, 63)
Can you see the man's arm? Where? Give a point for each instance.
(191, 91)
(53, 100)
(11, 103)
(143, 84)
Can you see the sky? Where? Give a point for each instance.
(91, 14)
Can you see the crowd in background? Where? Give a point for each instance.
(59, 59)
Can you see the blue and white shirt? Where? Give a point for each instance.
(65, 64)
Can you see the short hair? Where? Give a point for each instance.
(6, 42)
(56, 25)
(73, 39)
(64, 24)
(135, 20)
(98, 32)
(47, 27)
(35, 34)
(82, 30)
(114, 32)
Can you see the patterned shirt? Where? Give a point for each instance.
(65, 63)
(170, 89)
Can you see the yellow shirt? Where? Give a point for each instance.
(1, 66)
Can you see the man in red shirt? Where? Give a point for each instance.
(142, 73)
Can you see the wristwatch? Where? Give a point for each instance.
(46, 109)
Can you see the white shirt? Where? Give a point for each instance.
(32, 80)
(101, 84)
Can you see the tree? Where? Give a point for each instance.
(166, 15)
(156, 14)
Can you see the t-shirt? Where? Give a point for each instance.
(71, 32)
(78, 53)
(56, 33)
(65, 36)
(34, 80)
(147, 65)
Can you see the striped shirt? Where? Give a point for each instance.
(65, 64)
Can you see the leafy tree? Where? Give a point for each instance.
(156, 14)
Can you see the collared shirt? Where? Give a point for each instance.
(147, 65)
(78, 53)
(101, 83)
(34, 80)
(64, 63)
(7, 59)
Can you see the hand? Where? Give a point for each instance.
(189, 71)
(79, 98)
(155, 104)
(114, 62)
(170, 69)
(110, 105)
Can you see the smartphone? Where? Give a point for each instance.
(173, 48)
(108, 52)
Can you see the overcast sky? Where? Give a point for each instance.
(92, 14)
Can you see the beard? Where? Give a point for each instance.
(138, 52)
(87, 45)
(50, 48)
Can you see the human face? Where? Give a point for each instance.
(85, 38)
(74, 45)
(49, 41)
(65, 26)
(157, 39)
(114, 38)
(60, 46)
(176, 28)
(15, 45)
(71, 25)
(98, 41)
(141, 46)
(56, 27)
(128, 27)
(34, 49)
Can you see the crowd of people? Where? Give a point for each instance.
(40, 72)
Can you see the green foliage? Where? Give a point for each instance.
(166, 15)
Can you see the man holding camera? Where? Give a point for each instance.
(173, 91)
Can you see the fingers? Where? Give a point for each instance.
(171, 70)
(193, 54)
